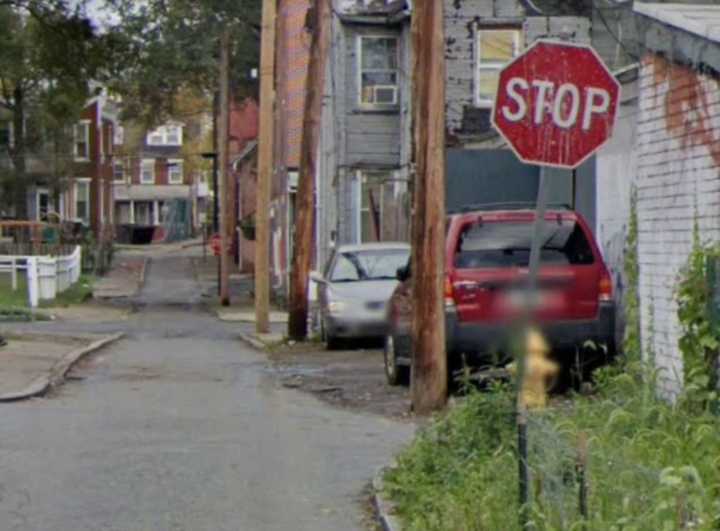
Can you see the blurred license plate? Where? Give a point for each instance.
(519, 298)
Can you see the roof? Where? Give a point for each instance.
(699, 19)
(380, 246)
(148, 192)
(374, 11)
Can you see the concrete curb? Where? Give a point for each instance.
(253, 342)
(56, 376)
(384, 507)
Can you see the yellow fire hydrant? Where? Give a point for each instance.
(539, 369)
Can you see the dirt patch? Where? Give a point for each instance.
(352, 379)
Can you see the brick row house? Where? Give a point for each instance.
(158, 183)
(74, 185)
(88, 197)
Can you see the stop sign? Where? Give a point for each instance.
(556, 104)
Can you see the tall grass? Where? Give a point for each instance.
(650, 464)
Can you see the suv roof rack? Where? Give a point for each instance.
(511, 205)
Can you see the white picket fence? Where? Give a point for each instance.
(46, 275)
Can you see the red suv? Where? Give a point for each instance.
(487, 251)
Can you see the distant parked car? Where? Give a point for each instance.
(486, 266)
(354, 289)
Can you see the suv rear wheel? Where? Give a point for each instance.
(395, 374)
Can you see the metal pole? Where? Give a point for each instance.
(531, 298)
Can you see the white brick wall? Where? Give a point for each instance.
(678, 178)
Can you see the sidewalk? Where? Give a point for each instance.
(124, 280)
(34, 363)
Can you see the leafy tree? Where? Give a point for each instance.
(173, 46)
(50, 54)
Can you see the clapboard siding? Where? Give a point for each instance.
(373, 137)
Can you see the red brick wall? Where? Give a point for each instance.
(292, 63)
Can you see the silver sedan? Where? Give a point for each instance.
(355, 287)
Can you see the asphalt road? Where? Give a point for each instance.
(181, 427)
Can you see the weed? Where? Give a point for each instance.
(650, 465)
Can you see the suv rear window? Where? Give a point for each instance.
(507, 244)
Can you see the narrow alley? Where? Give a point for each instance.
(179, 426)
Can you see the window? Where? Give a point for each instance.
(166, 135)
(118, 171)
(369, 265)
(82, 200)
(378, 71)
(5, 134)
(507, 244)
(175, 171)
(373, 186)
(172, 135)
(495, 48)
(147, 171)
(118, 135)
(81, 135)
(43, 206)
(155, 138)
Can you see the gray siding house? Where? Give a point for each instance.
(363, 172)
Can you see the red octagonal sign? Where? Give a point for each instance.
(556, 104)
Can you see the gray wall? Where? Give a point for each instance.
(477, 176)
(373, 136)
(465, 121)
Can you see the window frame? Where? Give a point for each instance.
(162, 133)
(8, 126)
(494, 66)
(175, 163)
(360, 70)
(78, 156)
(118, 164)
(87, 182)
(143, 162)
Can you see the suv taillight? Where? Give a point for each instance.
(605, 290)
(449, 299)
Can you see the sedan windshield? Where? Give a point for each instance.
(368, 265)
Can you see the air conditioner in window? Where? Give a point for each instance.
(385, 94)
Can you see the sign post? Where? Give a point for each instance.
(555, 106)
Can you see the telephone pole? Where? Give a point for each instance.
(429, 364)
(224, 163)
(305, 199)
(265, 168)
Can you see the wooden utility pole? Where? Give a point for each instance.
(224, 163)
(265, 168)
(429, 364)
(305, 198)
